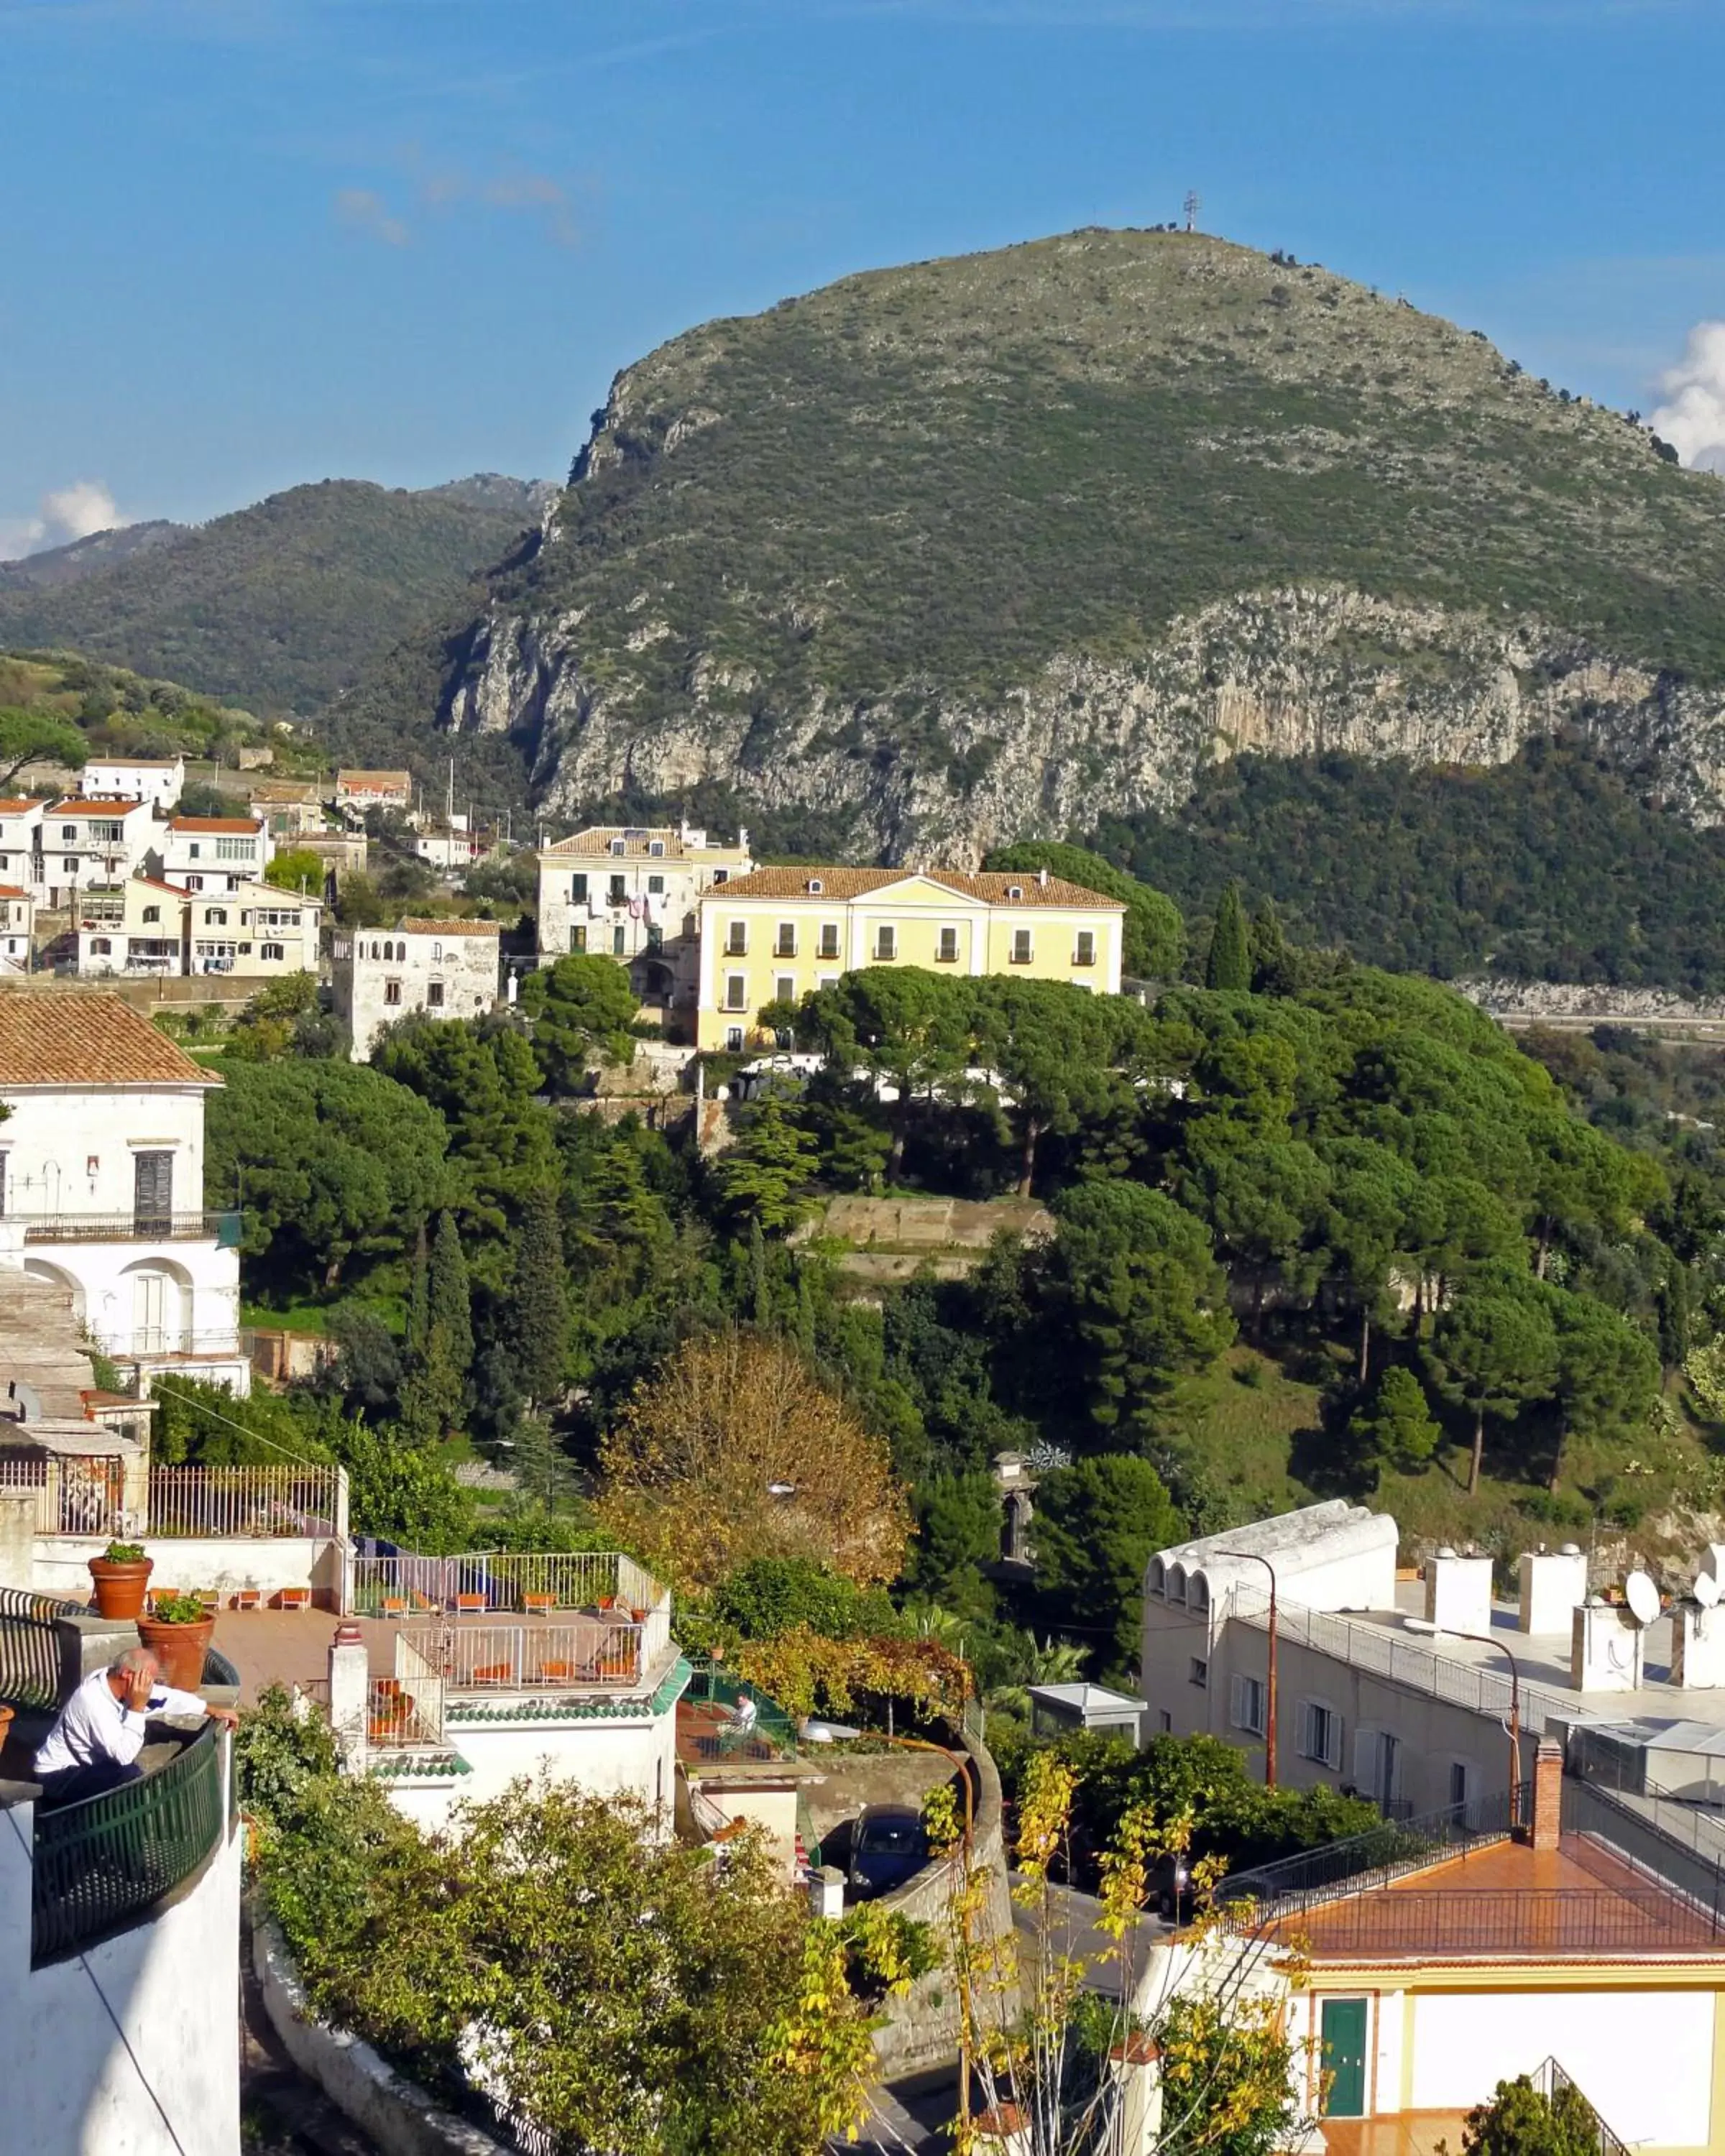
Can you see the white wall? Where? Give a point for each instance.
(606, 1757)
(1607, 2042)
(70, 2089)
(193, 1563)
(464, 965)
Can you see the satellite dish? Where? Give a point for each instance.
(1706, 1589)
(1642, 1597)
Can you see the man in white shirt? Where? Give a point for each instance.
(94, 1744)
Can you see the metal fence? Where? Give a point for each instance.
(1618, 1825)
(1519, 1921)
(101, 1866)
(30, 1647)
(592, 1650)
(264, 1502)
(131, 1228)
(1562, 2093)
(1293, 1884)
(1378, 1650)
(711, 1684)
(74, 1494)
(525, 1580)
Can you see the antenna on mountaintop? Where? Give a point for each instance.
(1192, 206)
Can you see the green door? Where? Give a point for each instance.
(1344, 2057)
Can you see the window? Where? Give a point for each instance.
(828, 939)
(721, 875)
(577, 891)
(1021, 946)
(785, 946)
(105, 834)
(656, 886)
(100, 946)
(577, 939)
(1085, 952)
(737, 940)
(273, 951)
(194, 883)
(885, 942)
(1197, 1672)
(71, 864)
(152, 913)
(1165, 1722)
(619, 891)
(193, 851)
(152, 1190)
(391, 991)
(1015, 890)
(1321, 1734)
(619, 938)
(69, 831)
(235, 850)
(437, 954)
(946, 947)
(619, 846)
(655, 937)
(733, 1038)
(1246, 1707)
(826, 980)
(656, 847)
(784, 989)
(1461, 1782)
(816, 886)
(435, 995)
(736, 992)
(215, 916)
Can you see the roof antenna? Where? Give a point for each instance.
(1192, 206)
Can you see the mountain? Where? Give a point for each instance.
(78, 558)
(1005, 544)
(275, 606)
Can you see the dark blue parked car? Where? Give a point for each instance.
(889, 1846)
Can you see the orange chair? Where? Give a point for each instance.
(469, 1603)
(539, 1605)
(248, 1598)
(294, 1597)
(395, 1605)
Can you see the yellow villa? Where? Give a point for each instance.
(776, 934)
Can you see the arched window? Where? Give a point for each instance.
(1177, 1582)
(1156, 1579)
(1197, 1592)
(815, 886)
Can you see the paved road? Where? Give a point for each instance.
(1073, 1919)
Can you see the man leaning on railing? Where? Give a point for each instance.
(95, 1745)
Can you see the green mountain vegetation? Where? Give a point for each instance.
(1554, 867)
(275, 606)
(59, 707)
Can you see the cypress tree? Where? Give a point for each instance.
(541, 1298)
(419, 1297)
(450, 1335)
(1229, 964)
(1272, 962)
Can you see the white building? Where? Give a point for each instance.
(634, 894)
(254, 928)
(17, 928)
(157, 780)
(90, 841)
(358, 791)
(137, 927)
(21, 840)
(214, 853)
(444, 968)
(101, 1183)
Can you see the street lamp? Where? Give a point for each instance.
(1256, 1557)
(1514, 1724)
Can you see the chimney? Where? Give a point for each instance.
(1553, 1586)
(1458, 1592)
(1042, 879)
(1548, 1821)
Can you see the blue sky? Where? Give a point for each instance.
(253, 241)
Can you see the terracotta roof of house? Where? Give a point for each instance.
(409, 927)
(250, 824)
(16, 804)
(375, 780)
(12, 890)
(637, 839)
(138, 763)
(991, 890)
(81, 1037)
(93, 804)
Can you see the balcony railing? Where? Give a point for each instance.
(85, 1496)
(584, 1653)
(535, 1582)
(101, 1866)
(1544, 1922)
(30, 1668)
(134, 1227)
(1362, 1862)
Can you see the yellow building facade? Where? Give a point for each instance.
(777, 934)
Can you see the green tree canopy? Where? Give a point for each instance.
(1493, 1349)
(37, 737)
(1097, 1524)
(1397, 1430)
(582, 1007)
(330, 1161)
(296, 868)
(1228, 966)
(764, 1177)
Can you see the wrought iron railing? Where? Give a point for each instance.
(1520, 1922)
(1565, 2097)
(30, 1647)
(78, 1494)
(1292, 1884)
(528, 1581)
(84, 1495)
(101, 1866)
(589, 1651)
(1616, 1824)
(137, 1226)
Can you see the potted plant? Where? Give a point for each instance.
(121, 1577)
(178, 1633)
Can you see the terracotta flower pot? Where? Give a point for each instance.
(119, 1588)
(180, 1650)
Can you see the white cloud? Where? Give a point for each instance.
(63, 514)
(1693, 418)
(368, 213)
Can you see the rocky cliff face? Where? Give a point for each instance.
(1292, 672)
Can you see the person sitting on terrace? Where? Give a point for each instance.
(94, 1744)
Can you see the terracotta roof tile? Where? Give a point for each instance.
(12, 890)
(16, 804)
(843, 883)
(81, 1037)
(249, 824)
(597, 838)
(94, 804)
(136, 762)
(409, 927)
(375, 781)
